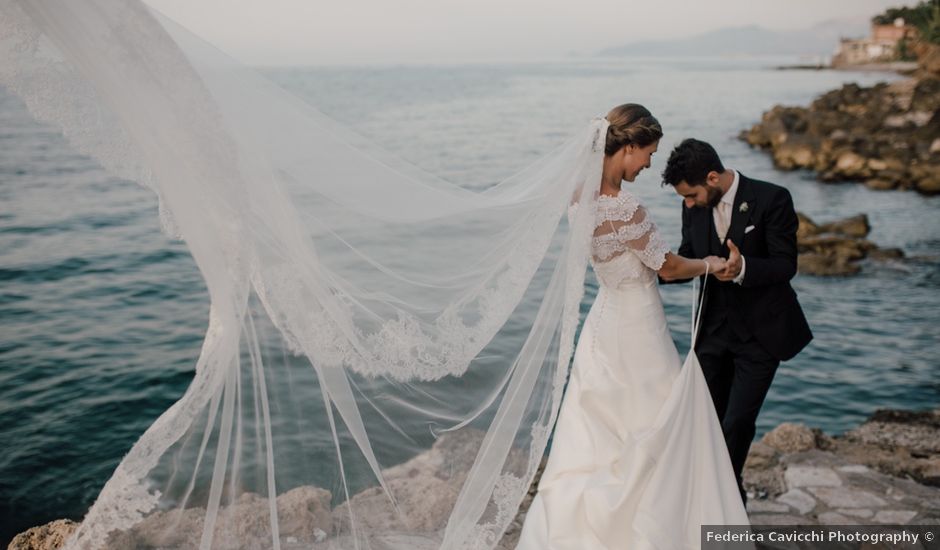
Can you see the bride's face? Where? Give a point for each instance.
(636, 159)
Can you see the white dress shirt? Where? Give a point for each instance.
(721, 215)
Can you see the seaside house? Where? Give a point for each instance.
(883, 45)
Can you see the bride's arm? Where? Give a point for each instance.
(634, 230)
(680, 267)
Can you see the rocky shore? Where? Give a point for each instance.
(886, 136)
(887, 470)
(838, 247)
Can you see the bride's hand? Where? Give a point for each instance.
(715, 263)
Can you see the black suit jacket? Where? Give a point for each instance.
(764, 304)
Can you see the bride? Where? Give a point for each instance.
(638, 459)
(386, 350)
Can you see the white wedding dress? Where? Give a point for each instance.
(638, 460)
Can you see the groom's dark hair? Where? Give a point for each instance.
(691, 161)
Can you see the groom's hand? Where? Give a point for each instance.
(733, 265)
(715, 264)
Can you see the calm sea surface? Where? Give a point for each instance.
(102, 316)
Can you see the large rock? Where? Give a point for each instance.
(918, 431)
(871, 135)
(789, 438)
(761, 475)
(897, 443)
(832, 249)
(807, 227)
(424, 502)
(834, 245)
(929, 184)
(425, 487)
(791, 156)
(303, 513)
(881, 184)
(855, 226)
(884, 254)
(775, 127)
(825, 265)
(50, 536)
(761, 456)
(851, 165)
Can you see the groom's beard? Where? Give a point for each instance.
(713, 197)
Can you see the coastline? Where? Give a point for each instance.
(884, 471)
(898, 67)
(886, 136)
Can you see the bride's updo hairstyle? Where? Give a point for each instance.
(631, 124)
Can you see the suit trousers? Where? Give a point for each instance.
(739, 372)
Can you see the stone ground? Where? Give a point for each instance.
(885, 471)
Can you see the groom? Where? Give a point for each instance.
(751, 319)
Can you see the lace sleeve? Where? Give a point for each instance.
(624, 224)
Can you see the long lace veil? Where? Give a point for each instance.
(386, 351)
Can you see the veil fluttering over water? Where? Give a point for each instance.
(386, 351)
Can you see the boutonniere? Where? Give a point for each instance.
(743, 207)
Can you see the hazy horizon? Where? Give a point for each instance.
(287, 32)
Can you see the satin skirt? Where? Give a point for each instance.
(638, 460)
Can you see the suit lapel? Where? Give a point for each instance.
(741, 214)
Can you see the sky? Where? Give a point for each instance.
(275, 32)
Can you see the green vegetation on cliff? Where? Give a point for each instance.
(925, 17)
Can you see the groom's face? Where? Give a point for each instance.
(704, 195)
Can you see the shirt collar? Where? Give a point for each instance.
(733, 190)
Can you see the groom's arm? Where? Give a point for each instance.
(685, 248)
(780, 263)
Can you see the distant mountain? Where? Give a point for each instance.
(821, 39)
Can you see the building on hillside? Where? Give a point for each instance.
(883, 45)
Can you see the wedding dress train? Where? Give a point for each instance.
(638, 460)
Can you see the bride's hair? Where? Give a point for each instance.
(631, 124)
